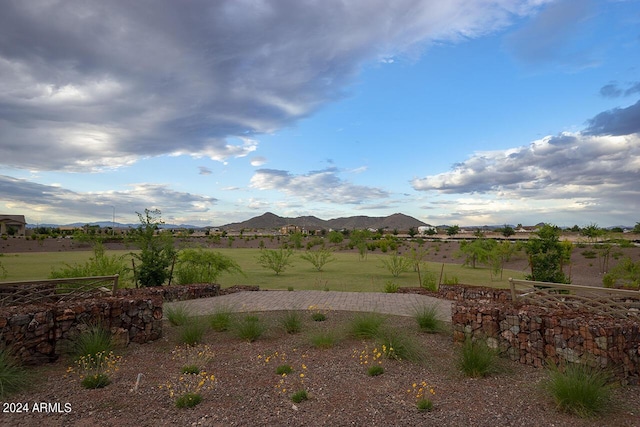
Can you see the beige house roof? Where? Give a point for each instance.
(13, 219)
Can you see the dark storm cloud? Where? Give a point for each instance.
(619, 121)
(88, 85)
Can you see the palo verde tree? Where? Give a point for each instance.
(200, 265)
(157, 252)
(547, 255)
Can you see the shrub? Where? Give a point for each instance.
(390, 287)
(299, 396)
(203, 266)
(250, 328)
(276, 260)
(323, 339)
(397, 264)
(366, 325)
(284, 369)
(220, 319)
(579, 389)
(318, 258)
(430, 281)
(400, 346)
(477, 359)
(100, 264)
(91, 342)
(94, 370)
(13, 377)
(292, 322)
(428, 321)
(188, 400)
(177, 315)
(192, 331)
(375, 370)
(450, 281)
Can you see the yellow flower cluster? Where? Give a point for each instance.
(189, 384)
(367, 357)
(101, 363)
(197, 355)
(290, 380)
(420, 389)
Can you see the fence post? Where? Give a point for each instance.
(115, 284)
(513, 290)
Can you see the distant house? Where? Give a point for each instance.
(13, 224)
(290, 229)
(425, 229)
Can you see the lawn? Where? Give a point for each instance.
(347, 273)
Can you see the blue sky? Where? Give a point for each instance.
(457, 112)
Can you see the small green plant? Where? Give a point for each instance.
(220, 319)
(192, 332)
(187, 389)
(177, 315)
(13, 377)
(284, 369)
(477, 359)
(390, 287)
(579, 389)
(192, 359)
(292, 322)
(299, 396)
(420, 391)
(451, 281)
(375, 370)
(94, 370)
(428, 321)
(290, 288)
(366, 325)
(188, 400)
(430, 281)
(323, 339)
(250, 328)
(318, 258)
(318, 314)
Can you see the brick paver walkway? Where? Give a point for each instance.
(397, 304)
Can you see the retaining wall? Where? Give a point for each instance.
(535, 336)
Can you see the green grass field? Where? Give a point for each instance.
(347, 273)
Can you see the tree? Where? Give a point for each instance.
(636, 229)
(626, 274)
(276, 260)
(477, 251)
(507, 231)
(335, 237)
(203, 266)
(547, 255)
(319, 258)
(397, 264)
(592, 232)
(412, 232)
(453, 230)
(358, 239)
(156, 250)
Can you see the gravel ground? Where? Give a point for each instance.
(340, 391)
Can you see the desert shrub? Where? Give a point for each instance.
(220, 319)
(100, 264)
(276, 260)
(477, 359)
(366, 325)
(397, 264)
(323, 339)
(203, 266)
(292, 322)
(192, 331)
(318, 258)
(427, 319)
(249, 328)
(13, 377)
(91, 342)
(284, 369)
(157, 252)
(579, 389)
(626, 274)
(299, 396)
(390, 287)
(177, 314)
(399, 345)
(375, 370)
(450, 280)
(430, 281)
(188, 400)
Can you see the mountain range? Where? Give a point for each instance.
(269, 221)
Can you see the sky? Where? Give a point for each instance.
(472, 113)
